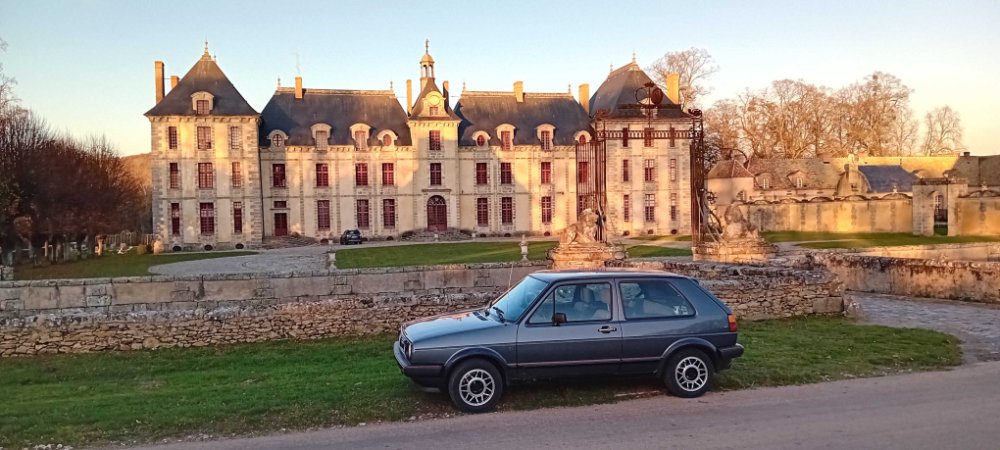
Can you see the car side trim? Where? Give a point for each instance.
(569, 363)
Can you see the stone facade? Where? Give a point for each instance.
(63, 316)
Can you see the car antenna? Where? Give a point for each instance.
(510, 279)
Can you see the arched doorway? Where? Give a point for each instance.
(437, 214)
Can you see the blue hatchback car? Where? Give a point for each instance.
(569, 323)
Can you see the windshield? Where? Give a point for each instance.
(519, 298)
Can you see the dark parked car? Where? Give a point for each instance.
(570, 323)
(350, 237)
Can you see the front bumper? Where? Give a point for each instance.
(728, 354)
(430, 375)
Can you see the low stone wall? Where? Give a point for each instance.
(761, 292)
(977, 251)
(6, 273)
(61, 316)
(957, 280)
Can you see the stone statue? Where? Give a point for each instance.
(737, 226)
(583, 231)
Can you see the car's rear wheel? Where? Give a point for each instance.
(475, 386)
(689, 373)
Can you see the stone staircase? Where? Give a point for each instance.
(275, 242)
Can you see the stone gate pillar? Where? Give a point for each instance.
(924, 192)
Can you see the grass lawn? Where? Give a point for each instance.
(112, 265)
(439, 253)
(89, 399)
(649, 251)
(859, 240)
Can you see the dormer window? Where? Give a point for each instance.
(581, 137)
(277, 138)
(360, 133)
(201, 102)
(544, 133)
(387, 138)
(322, 138)
(433, 110)
(765, 183)
(481, 141)
(505, 133)
(799, 183)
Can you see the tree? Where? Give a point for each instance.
(876, 103)
(944, 132)
(695, 66)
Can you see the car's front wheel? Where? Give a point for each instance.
(475, 386)
(689, 373)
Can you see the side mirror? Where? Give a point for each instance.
(558, 318)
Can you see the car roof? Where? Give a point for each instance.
(615, 272)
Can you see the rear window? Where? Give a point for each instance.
(649, 299)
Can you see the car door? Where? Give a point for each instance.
(656, 315)
(588, 343)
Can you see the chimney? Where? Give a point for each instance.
(519, 91)
(585, 97)
(674, 87)
(298, 88)
(158, 68)
(174, 79)
(409, 96)
(444, 85)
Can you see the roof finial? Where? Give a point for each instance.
(390, 86)
(427, 46)
(206, 45)
(633, 56)
(569, 88)
(463, 85)
(611, 67)
(279, 82)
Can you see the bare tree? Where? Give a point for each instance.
(875, 104)
(944, 132)
(695, 66)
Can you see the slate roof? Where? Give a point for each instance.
(338, 108)
(881, 179)
(816, 173)
(204, 76)
(729, 169)
(418, 105)
(617, 95)
(485, 111)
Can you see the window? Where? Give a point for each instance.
(507, 210)
(388, 174)
(799, 183)
(435, 140)
(482, 211)
(505, 140)
(647, 299)
(172, 138)
(741, 196)
(579, 302)
(583, 139)
(546, 210)
(280, 204)
(625, 174)
(647, 137)
(201, 107)
(322, 138)
(360, 139)
(673, 205)
(387, 140)
(435, 174)
(765, 183)
(237, 175)
(175, 219)
(323, 214)
(204, 138)
(206, 214)
(278, 175)
(626, 208)
(582, 172)
(481, 140)
(206, 176)
(506, 177)
(673, 169)
(235, 143)
(649, 170)
(546, 172)
(546, 140)
(433, 110)
(481, 174)
(278, 140)
(175, 176)
(389, 213)
(362, 212)
(238, 217)
(322, 175)
(625, 137)
(650, 207)
(673, 137)
(361, 174)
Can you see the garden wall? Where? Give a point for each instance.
(51, 316)
(885, 215)
(6, 273)
(957, 280)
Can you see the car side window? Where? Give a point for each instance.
(647, 299)
(584, 302)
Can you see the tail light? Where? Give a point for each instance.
(732, 323)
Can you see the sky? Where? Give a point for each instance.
(86, 66)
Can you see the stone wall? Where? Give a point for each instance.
(892, 213)
(6, 273)
(977, 215)
(957, 280)
(61, 316)
(973, 251)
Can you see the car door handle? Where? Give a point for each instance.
(607, 329)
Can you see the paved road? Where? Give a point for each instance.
(939, 410)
